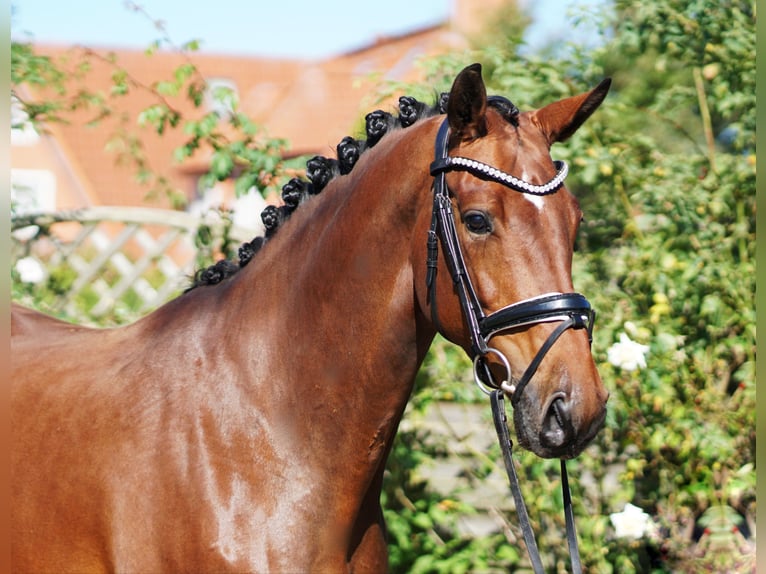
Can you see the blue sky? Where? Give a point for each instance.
(287, 28)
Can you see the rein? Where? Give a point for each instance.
(571, 310)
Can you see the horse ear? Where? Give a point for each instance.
(561, 119)
(467, 106)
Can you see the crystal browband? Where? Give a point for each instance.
(480, 168)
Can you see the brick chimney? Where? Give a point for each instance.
(469, 17)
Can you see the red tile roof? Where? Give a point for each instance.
(311, 104)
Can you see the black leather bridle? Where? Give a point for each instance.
(571, 310)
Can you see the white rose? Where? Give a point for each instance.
(631, 523)
(627, 355)
(30, 270)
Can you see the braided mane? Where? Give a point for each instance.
(321, 170)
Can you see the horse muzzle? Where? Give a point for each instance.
(561, 432)
(561, 422)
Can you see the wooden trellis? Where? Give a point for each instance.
(127, 260)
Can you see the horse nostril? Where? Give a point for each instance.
(557, 428)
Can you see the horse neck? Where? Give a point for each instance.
(337, 294)
(347, 264)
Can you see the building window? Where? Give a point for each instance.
(23, 133)
(32, 191)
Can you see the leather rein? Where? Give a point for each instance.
(571, 310)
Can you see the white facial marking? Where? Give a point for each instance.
(536, 200)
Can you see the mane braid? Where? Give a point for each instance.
(321, 170)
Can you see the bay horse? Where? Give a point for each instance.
(244, 426)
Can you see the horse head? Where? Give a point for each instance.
(499, 281)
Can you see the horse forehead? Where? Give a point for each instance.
(525, 141)
(520, 149)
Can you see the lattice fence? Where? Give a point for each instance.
(113, 264)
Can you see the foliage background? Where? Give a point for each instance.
(665, 172)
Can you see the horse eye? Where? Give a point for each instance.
(477, 222)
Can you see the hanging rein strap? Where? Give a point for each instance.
(571, 309)
(501, 427)
(506, 446)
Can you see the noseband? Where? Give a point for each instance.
(571, 310)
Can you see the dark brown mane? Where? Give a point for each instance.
(321, 170)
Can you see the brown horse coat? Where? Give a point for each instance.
(245, 427)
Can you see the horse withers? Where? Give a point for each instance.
(245, 426)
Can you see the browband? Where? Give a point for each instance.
(482, 169)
